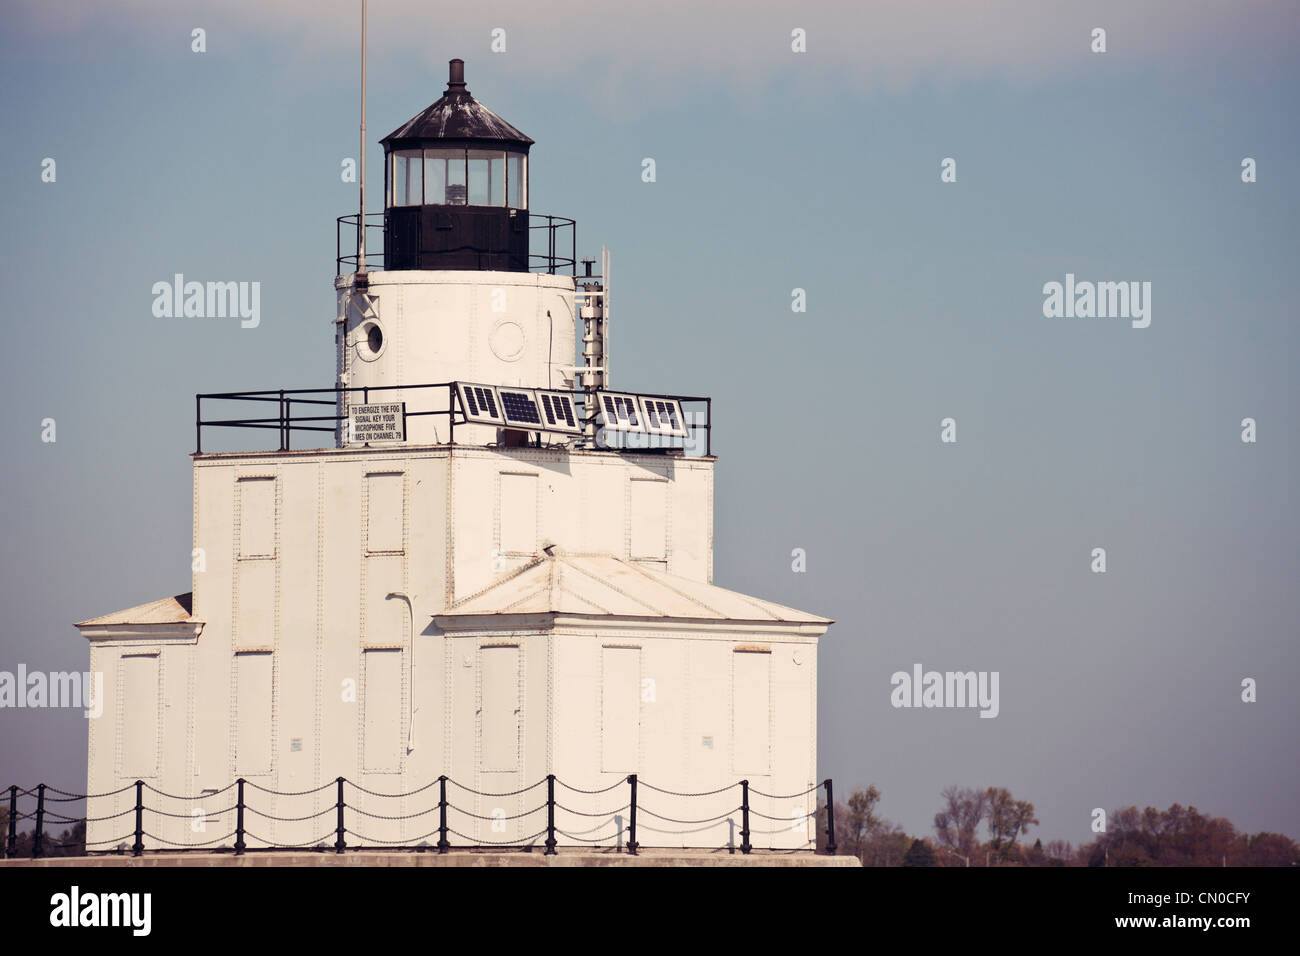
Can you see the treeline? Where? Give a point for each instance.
(71, 842)
(990, 828)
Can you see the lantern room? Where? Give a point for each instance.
(456, 195)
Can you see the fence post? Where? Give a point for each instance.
(443, 845)
(339, 843)
(744, 820)
(138, 847)
(830, 816)
(744, 817)
(11, 839)
(631, 841)
(550, 814)
(37, 848)
(239, 818)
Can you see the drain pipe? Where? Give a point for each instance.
(410, 679)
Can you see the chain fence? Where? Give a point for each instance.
(44, 805)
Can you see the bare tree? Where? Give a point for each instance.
(957, 824)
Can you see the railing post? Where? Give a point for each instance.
(38, 848)
(282, 447)
(239, 818)
(339, 436)
(443, 845)
(339, 843)
(744, 817)
(708, 426)
(11, 839)
(631, 840)
(550, 814)
(830, 816)
(137, 848)
(198, 424)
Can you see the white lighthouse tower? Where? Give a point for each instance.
(496, 580)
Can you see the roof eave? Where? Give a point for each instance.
(175, 632)
(548, 620)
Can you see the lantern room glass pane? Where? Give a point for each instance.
(444, 177)
(487, 182)
(497, 180)
(456, 179)
(515, 193)
(408, 179)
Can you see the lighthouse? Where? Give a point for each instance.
(468, 572)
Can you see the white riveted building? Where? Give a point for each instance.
(500, 570)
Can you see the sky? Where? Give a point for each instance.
(776, 170)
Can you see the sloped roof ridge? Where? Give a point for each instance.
(694, 600)
(538, 559)
(617, 590)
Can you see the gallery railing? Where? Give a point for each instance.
(342, 826)
(320, 411)
(558, 234)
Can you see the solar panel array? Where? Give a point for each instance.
(543, 410)
(622, 411)
(528, 409)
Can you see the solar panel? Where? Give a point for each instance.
(619, 412)
(663, 416)
(479, 403)
(558, 414)
(520, 407)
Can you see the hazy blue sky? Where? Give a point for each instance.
(775, 170)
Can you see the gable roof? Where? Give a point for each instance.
(172, 610)
(602, 584)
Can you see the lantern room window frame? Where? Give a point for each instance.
(497, 178)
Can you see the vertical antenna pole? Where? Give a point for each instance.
(604, 338)
(361, 216)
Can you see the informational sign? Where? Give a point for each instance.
(376, 423)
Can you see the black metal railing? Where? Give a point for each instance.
(343, 826)
(554, 228)
(304, 410)
(553, 233)
(348, 225)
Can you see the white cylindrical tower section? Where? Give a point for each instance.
(413, 328)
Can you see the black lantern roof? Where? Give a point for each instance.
(457, 118)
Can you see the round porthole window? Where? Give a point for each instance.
(370, 341)
(507, 340)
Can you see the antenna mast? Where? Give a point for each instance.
(361, 215)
